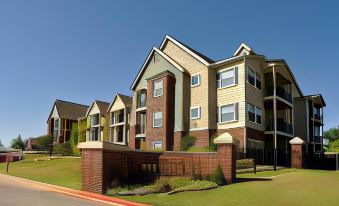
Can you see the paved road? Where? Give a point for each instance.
(14, 192)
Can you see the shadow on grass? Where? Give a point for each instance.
(253, 179)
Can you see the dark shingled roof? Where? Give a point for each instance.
(127, 100)
(103, 106)
(209, 60)
(69, 110)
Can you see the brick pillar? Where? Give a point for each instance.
(177, 140)
(297, 152)
(227, 155)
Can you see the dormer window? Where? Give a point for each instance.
(158, 88)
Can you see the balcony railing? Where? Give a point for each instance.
(317, 116)
(282, 126)
(281, 92)
(317, 139)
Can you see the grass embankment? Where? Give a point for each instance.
(299, 187)
(63, 172)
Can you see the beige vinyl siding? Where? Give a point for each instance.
(255, 96)
(199, 94)
(117, 105)
(233, 94)
(94, 110)
(55, 114)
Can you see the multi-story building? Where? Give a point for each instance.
(61, 118)
(179, 92)
(309, 122)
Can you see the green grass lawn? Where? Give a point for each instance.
(63, 172)
(294, 187)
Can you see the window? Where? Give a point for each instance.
(258, 115)
(228, 113)
(56, 124)
(195, 80)
(251, 112)
(250, 77)
(158, 88)
(258, 80)
(141, 98)
(95, 120)
(227, 78)
(157, 119)
(95, 134)
(254, 78)
(117, 117)
(254, 113)
(195, 112)
(157, 144)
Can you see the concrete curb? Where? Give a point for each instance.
(76, 193)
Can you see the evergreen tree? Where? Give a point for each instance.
(17, 143)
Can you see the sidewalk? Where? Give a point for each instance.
(71, 192)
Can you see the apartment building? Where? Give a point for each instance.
(179, 92)
(61, 118)
(309, 121)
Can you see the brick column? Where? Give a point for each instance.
(227, 155)
(297, 152)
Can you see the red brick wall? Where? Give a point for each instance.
(132, 133)
(177, 140)
(237, 133)
(100, 167)
(164, 104)
(202, 137)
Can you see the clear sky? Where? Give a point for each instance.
(85, 50)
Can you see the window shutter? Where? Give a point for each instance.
(236, 111)
(236, 75)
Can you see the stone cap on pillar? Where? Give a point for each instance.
(226, 138)
(297, 140)
(102, 145)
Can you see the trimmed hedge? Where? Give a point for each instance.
(63, 149)
(195, 186)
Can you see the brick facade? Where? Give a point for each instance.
(202, 137)
(238, 133)
(177, 140)
(164, 104)
(101, 166)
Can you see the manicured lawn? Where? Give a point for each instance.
(62, 172)
(292, 187)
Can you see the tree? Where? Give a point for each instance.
(17, 143)
(332, 134)
(333, 146)
(74, 139)
(43, 142)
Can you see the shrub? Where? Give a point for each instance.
(213, 146)
(195, 186)
(177, 182)
(43, 142)
(187, 142)
(218, 176)
(63, 149)
(333, 146)
(74, 139)
(245, 163)
(162, 185)
(82, 128)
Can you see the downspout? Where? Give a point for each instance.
(245, 129)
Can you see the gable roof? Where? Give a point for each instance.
(289, 71)
(197, 55)
(141, 71)
(103, 106)
(127, 100)
(317, 96)
(69, 110)
(241, 47)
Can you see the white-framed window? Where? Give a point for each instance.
(195, 80)
(195, 112)
(157, 119)
(228, 112)
(254, 113)
(158, 88)
(227, 78)
(254, 78)
(95, 120)
(157, 144)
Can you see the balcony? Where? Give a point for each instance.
(280, 93)
(317, 139)
(282, 126)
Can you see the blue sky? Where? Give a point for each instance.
(85, 50)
